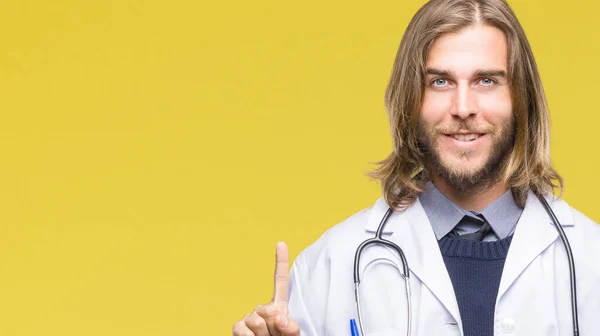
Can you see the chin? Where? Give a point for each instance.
(464, 167)
(465, 174)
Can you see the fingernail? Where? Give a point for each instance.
(282, 320)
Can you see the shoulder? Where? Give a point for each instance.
(339, 242)
(589, 231)
(585, 226)
(584, 238)
(569, 216)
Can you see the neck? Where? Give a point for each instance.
(476, 199)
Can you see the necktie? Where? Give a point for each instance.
(477, 235)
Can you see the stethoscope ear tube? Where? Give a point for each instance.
(378, 239)
(572, 276)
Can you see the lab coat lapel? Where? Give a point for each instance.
(412, 231)
(533, 234)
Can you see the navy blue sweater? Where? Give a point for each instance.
(475, 269)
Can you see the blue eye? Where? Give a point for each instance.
(487, 81)
(439, 82)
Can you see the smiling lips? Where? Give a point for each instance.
(465, 137)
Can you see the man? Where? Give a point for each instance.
(471, 154)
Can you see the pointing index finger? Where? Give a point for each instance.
(282, 276)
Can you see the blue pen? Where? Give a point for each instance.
(353, 328)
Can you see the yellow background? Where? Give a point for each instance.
(153, 152)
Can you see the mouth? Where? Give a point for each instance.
(465, 137)
(465, 141)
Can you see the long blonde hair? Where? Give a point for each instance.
(528, 165)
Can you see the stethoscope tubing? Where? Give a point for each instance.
(572, 275)
(378, 239)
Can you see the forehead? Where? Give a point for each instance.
(477, 47)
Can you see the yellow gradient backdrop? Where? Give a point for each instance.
(153, 152)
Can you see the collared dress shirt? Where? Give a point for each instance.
(445, 216)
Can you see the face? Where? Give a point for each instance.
(465, 124)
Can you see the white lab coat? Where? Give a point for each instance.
(533, 297)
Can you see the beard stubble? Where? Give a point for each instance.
(464, 180)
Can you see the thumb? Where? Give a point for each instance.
(287, 326)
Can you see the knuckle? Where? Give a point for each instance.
(255, 321)
(270, 310)
(238, 329)
(259, 323)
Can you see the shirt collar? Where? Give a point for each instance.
(444, 215)
(503, 214)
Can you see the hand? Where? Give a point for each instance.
(272, 319)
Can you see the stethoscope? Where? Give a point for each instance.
(378, 239)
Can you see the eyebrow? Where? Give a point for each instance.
(478, 73)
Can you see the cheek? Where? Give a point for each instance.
(497, 108)
(435, 106)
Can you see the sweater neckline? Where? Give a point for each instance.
(491, 250)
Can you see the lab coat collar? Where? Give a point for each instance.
(377, 212)
(533, 234)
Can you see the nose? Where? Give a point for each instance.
(465, 102)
